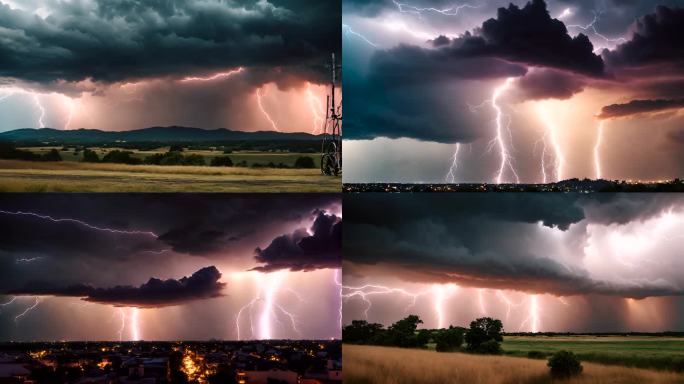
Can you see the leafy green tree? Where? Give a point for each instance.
(449, 340)
(481, 331)
(403, 332)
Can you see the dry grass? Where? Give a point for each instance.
(381, 365)
(66, 176)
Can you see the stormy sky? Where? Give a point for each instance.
(506, 91)
(592, 263)
(121, 65)
(128, 266)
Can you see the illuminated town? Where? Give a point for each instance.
(571, 185)
(244, 362)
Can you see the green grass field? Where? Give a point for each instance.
(287, 158)
(73, 176)
(665, 353)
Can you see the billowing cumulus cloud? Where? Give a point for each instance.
(549, 84)
(301, 251)
(202, 284)
(562, 245)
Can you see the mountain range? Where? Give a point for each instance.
(152, 134)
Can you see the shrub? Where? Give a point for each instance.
(221, 161)
(176, 148)
(536, 355)
(52, 155)
(490, 347)
(304, 162)
(194, 159)
(89, 156)
(564, 364)
(122, 157)
(483, 330)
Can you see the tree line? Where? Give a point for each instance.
(484, 335)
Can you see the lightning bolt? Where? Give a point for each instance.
(268, 288)
(551, 133)
(12, 300)
(263, 110)
(316, 107)
(450, 176)
(566, 12)
(27, 310)
(451, 11)
(439, 292)
(123, 323)
(597, 148)
(40, 107)
(592, 27)
(506, 161)
(27, 259)
(70, 107)
(347, 30)
(216, 76)
(135, 326)
(533, 317)
(79, 222)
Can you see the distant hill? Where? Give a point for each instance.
(152, 134)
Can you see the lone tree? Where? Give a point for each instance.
(448, 340)
(403, 333)
(484, 335)
(564, 364)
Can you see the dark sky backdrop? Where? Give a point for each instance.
(120, 65)
(154, 262)
(551, 262)
(428, 72)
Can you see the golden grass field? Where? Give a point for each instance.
(72, 176)
(383, 365)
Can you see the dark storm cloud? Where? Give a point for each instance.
(638, 107)
(655, 44)
(202, 284)
(487, 241)
(548, 84)
(111, 41)
(505, 46)
(145, 232)
(300, 251)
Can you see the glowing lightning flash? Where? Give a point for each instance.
(592, 26)
(135, 326)
(347, 30)
(27, 310)
(597, 148)
(216, 76)
(79, 222)
(551, 133)
(451, 11)
(450, 177)
(506, 161)
(263, 110)
(40, 107)
(316, 107)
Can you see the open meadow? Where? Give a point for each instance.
(73, 176)
(383, 365)
(659, 352)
